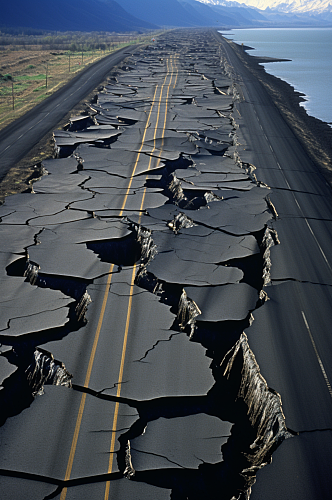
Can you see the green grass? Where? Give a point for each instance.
(6, 78)
(20, 87)
(40, 97)
(7, 91)
(29, 77)
(57, 67)
(38, 89)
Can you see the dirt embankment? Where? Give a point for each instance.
(314, 134)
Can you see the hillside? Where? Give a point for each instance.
(277, 10)
(165, 12)
(70, 15)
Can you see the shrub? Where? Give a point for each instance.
(6, 78)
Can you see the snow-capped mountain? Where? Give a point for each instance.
(313, 6)
(294, 6)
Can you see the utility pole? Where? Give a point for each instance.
(46, 72)
(69, 62)
(13, 94)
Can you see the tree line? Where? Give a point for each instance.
(73, 41)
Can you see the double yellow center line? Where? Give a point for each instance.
(171, 70)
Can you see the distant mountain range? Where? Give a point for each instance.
(141, 15)
(300, 6)
(309, 7)
(70, 15)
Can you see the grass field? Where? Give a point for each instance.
(31, 72)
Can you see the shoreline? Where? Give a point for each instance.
(314, 134)
(259, 59)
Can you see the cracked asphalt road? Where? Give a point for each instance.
(129, 277)
(18, 138)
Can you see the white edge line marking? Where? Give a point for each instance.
(317, 355)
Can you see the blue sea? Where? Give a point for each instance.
(310, 68)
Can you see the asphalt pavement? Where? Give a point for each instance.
(163, 332)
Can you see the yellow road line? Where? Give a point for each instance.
(101, 317)
(124, 347)
(176, 76)
(95, 343)
(156, 128)
(166, 103)
(86, 384)
(117, 404)
(138, 155)
(157, 122)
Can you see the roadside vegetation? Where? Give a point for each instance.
(34, 65)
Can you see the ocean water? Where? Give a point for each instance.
(310, 68)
